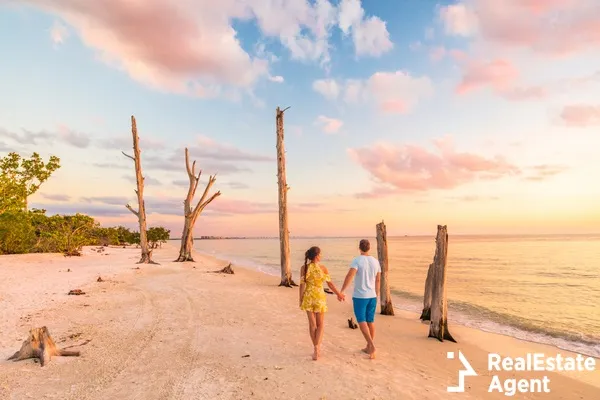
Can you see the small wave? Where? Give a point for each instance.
(486, 320)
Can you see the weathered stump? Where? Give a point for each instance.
(426, 314)
(227, 270)
(382, 253)
(40, 345)
(439, 305)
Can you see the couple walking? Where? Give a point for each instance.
(364, 270)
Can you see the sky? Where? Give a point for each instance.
(482, 115)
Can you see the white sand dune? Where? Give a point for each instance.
(175, 331)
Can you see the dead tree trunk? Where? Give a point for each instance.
(191, 214)
(426, 314)
(284, 233)
(141, 212)
(40, 345)
(382, 253)
(439, 304)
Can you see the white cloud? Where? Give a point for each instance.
(58, 33)
(459, 20)
(276, 79)
(329, 88)
(191, 48)
(391, 92)
(370, 35)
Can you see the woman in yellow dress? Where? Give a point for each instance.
(312, 295)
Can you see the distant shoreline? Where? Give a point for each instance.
(472, 235)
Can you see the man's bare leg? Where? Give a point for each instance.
(370, 349)
(371, 326)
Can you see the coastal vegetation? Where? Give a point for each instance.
(33, 231)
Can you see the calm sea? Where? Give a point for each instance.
(544, 289)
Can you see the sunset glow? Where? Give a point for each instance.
(480, 114)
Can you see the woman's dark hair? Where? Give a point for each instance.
(310, 255)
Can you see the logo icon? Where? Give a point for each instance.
(468, 371)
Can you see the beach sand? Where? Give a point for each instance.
(174, 331)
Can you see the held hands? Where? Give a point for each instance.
(341, 297)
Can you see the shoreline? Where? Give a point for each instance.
(179, 331)
(463, 319)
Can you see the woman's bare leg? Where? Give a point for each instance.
(312, 327)
(320, 320)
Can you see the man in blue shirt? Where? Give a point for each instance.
(366, 273)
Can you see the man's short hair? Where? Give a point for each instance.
(364, 245)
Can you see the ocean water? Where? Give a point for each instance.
(543, 289)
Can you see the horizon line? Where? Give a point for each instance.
(213, 237)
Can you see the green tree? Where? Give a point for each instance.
(106, 236)
(21, 177)
(17, 234)
(69, 233)
(157, 236)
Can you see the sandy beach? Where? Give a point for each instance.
(176, 331)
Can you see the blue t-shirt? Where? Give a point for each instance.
(367, 268)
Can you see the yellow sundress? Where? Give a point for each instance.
(314, 299)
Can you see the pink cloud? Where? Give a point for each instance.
(394, 107)
(414, 168)
(437, 53)
(329, 125)
(553, 27)
(581, 115)
(161, 44)
(499, 74)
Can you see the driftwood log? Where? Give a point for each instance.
(382, 253)
(284, 233)
(146, 257)
(190, 213)
(438, 327)
(426, 313)
(40, 345)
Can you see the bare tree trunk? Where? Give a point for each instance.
(141, 212)
(439, 305)
(191, 214)
(426, 314)
(382, 253)
(40, 345)
(284, 233)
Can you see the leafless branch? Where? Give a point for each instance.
(127, 155)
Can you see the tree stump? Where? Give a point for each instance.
(426, 314)
(41, 346)
(382, 253)
(227, 270)
(439, 305)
